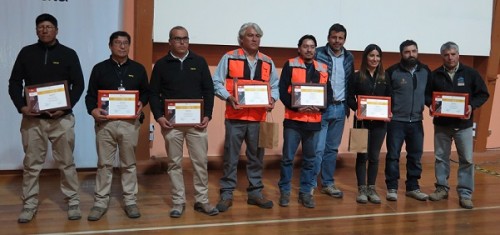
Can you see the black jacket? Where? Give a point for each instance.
(38, 64)
(173, 79)
(107, 75)
(466, 80)
(370, 87)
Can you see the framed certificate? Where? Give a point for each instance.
(47, 97)
(251, 94)
(118, 104)
(308, 94)
(450, 104)
(374, 108)
(184, 112)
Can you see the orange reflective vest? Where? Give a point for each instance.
(299, 75)
(238, 68)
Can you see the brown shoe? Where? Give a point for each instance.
(206, 208)
(260, 202)
(224, 204)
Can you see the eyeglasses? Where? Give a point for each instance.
(43, 27)
(179, 39)
(121, 43)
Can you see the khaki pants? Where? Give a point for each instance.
(36, 133)
(113, 136)
(197, 143)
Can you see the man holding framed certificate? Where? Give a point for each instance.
(459, 90)
(245, 63)
(302, 122)
(182, 99)
(117, 92)
(409, 79)
(53, 71)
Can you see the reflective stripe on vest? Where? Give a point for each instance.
(299, 75)
(238, 68)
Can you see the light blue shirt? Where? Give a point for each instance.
(337, 75)
(220, 75)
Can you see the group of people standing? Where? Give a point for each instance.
(182, 74)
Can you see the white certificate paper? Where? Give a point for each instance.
(309, 95)
(121, 104)
(452, 104)
(184, 113)
(50, 97)
(376, 108)
(253, 95)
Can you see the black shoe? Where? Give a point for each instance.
(206, 208)
(306, 200)
(132, 211)
(177, 210)
(224, 204)
(260, 202)
(284, 199)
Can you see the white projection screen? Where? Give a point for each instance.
(384, 22)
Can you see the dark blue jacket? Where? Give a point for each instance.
(323, 56)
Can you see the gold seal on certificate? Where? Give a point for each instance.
(118, 104)
(308, 94)
(48, 97)
(450, 104)
(373, 108)
(184, 112)
(251, 93)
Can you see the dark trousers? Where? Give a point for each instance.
(376, 136)
(412, 134)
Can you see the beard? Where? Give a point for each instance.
(410, 62)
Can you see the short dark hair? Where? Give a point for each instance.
(337, 28)
(307, 36)
(46, 17)
(117, 34)
(407, 43)
(171, 32)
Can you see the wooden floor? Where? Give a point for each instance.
(331, 216)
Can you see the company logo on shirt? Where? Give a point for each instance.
(130, 75)
(55, 62)
(192, 69)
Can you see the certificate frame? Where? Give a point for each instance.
(240, 93)
(364, 101)
(172, 115)
(452, 98)
(34, 99)
(103, 102)
(297, 96)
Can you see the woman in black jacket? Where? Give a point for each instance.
(369, 80)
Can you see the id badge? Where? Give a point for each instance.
(461, 81)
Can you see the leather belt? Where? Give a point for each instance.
(338, 102)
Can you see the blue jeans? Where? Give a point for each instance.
(443, 136)
(330, 136)
(412, 133)
(291, 139)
